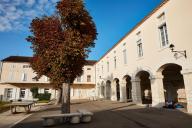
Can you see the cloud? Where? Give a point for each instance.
(30, 2)
(17, 14)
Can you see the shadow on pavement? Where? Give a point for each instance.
(126, 116)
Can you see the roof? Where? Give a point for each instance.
(91, 62)
(17, 59)
(28, 59)
(136, 26)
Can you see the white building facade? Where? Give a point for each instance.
(142, 68)
(17, 78)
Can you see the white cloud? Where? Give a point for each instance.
(30, 2)
(17, 14)
(4, 25)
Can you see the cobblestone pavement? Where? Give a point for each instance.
(108, 114)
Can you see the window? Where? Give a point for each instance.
(88, 68)
(107, 66)
(139, 48)
(22, 93)
(46, 90)
(12, 66)
(78, 79)
(35, 79)
(115, 62)
(11, 76)
(163, 35)
(24, 77)
(9, 92)
(88, 78)
(125, 56)
(46, 79)
(102, 69)
(26, 66)
(98, 70)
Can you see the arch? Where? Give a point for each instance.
(108, 90)
(126, 78)
(142, 73)
(145, 86)
(147, 69)
(163, 67)
(117, 85)
(127, 81)
(173, 83)
(115, 80)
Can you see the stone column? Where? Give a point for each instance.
(123, 97)
(102, 89)
(17, 93)
(157, 90)
(187, 77)
(113, 91)
(97, 90)
(136, 91)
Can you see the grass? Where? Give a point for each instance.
(4, 106)
(43, 101)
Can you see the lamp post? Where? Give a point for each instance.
(180, 52)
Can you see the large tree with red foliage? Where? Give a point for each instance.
(61, 44)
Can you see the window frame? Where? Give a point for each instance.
(163, 33)
(79, 79)
(139, 48)
(9, 93)
(24, 77)
(107, 66)
(22, 95)
(115, 62)
(125, 56)
(88, 78)
(46, 90)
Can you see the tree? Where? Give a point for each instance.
(61, 44)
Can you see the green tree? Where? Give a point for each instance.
(34, 91)
(61, 44)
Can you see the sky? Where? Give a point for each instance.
(113, 19)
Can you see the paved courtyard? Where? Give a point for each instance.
(108, 114)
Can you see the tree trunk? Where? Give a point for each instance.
(59, 96)
(65, 108)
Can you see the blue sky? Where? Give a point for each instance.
(113, 18)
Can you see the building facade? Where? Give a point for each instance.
(142, 68)
(17, 78)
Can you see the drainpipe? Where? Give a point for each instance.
(1, 67)
(95, 83)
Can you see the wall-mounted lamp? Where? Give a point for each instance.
(180, 52)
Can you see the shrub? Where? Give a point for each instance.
(44, 96)
(34, 91)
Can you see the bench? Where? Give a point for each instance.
(26, 105)
(86, 115)
(50, 120)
